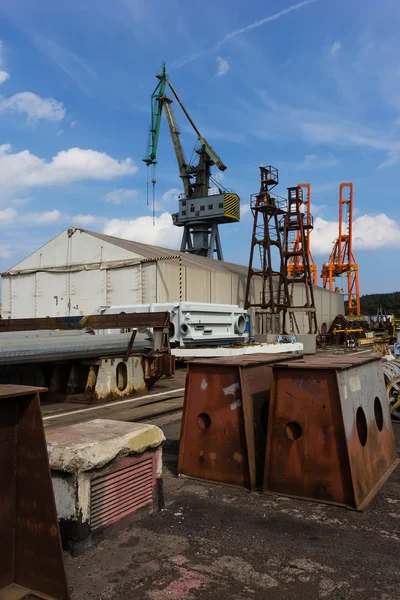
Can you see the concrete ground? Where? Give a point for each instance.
(215, 542)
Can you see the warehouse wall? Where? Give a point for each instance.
(44, 294)
(105, 280)
(201, 285)
(328, 305)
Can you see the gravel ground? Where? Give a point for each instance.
(219, 542)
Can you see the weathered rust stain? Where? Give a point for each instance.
(223, 434)
(30, 550)
(315, 449)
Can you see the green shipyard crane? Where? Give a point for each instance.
(200, 212)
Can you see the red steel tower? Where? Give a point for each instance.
(296, 264)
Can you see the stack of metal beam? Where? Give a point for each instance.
(49, 346)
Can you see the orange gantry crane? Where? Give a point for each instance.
(295, 265)
(341, 261)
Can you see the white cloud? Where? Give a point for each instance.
(33, 106)
(162, 233)
(370, 232)
(223, 66)
(244, 209)
(6, 251)
(7, 215)
(171, 195)
(52, 216)
(83, 219)
(312, 162)
(335, 49)
(10, 216)
(120, 196)
(236, 32)
(318, 127)
(317, 209)
(25, 170)
(4, 75)
(20, 201)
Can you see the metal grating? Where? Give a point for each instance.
(121, 492)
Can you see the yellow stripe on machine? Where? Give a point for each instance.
(232, 206)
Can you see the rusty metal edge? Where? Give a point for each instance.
(14, 591)
(215, 482)
(378, 485)
(268, 444)
(315, 500)
(123, 320)
(11, 390)
(183, 423)
(248, 417)
(315, 364)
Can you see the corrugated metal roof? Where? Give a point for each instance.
(189, 260)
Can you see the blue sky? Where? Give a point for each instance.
(311, 87)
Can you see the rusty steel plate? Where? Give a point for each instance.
(323, 361)
(113, 321)
(31, 560)
(225, 419)
(245, 359)
(330, 437)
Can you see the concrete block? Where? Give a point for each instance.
(307, 342)
(104, 472)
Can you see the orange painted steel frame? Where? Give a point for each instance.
(341, 260)
(295, 264)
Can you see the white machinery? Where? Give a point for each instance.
(196, 323)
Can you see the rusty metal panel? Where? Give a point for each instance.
(224, 419)
(122, 490)
(109, 321)
(322, 361)
(329, 435)
(31, 559)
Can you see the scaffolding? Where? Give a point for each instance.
(295, 228)
(295, 265)
(268, 209)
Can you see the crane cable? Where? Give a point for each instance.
(153, 181)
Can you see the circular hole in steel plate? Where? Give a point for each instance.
(204, 421)
(362, 427)
(378, 413)
(293, 431)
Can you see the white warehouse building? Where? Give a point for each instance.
(79, 271)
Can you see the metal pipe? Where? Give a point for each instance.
(24, 351)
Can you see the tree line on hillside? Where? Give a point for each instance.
(390, 303)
